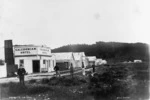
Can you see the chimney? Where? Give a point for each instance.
(9, 56)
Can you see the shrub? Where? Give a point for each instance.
(53, 81)
(115, 81)
(35, 89)
(66, 81)
(32, 81)
(16, 88)
(5, 84)
(45, 81)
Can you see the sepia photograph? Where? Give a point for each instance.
(74, 49)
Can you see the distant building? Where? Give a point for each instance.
(79, 58)
(85, 61)
(91, 60)
(34, 58)
(65, 59)
(100, 62)
(137, 61)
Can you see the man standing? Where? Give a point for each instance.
(83, 69)
(93, 66)
(21, 72)
(57, 70)
(71, 70)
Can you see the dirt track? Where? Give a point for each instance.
(37, 76)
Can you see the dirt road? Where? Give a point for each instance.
(38, 76)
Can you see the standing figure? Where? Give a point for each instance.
(56, 68)
(83, 69)
(71, 70)
(21, 72)
(93, 66)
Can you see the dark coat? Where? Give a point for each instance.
(56, 68)
(93, 66)
(21, 72)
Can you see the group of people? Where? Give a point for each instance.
(21, 71)
(56, 68)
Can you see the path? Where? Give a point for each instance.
(38, 76)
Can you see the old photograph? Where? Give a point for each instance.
(74, 49)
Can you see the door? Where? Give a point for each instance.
(36, 66)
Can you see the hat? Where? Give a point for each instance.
(21, 66)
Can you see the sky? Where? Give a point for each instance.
(61, 22)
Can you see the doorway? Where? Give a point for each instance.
(36, 66)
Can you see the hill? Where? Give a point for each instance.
(111, 51)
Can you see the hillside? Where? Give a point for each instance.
(111, 51)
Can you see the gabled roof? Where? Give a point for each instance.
(91, 58)
(63, 56)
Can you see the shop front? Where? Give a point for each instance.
(35, 59)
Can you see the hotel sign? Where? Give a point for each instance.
(34, 50)
(44, 51)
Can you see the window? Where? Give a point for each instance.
(2, 62)
(43, 61)
(21, 62)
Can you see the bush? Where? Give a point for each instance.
(5, 84)
(37, 89)
(32, 81)
(115, 81)
(16, 88)
(66, 81)
(53, 81)
(45, 81)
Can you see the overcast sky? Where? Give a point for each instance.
(60, 22)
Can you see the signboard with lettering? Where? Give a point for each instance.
(44, 51)
(32, 50)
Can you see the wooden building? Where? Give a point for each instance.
(79, 58)
(34, 58)
(64, 60)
